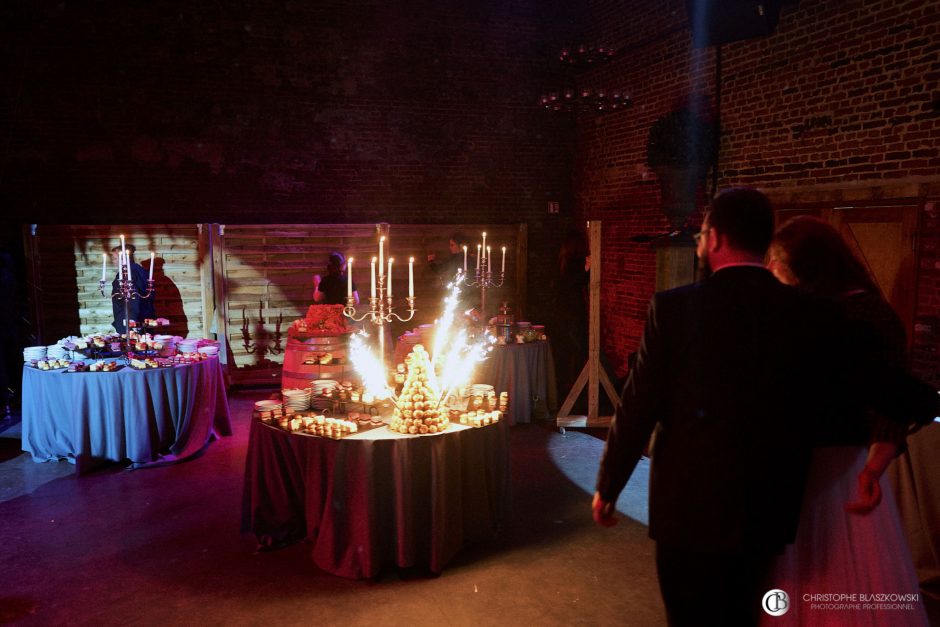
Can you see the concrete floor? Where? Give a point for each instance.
(162, 546)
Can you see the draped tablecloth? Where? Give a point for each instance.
(145, 416)
(376, 498)
(527, 372)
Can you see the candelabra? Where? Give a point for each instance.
(483, 277)
(381, 304)
(127, 292)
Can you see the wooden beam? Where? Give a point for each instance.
(593, 373)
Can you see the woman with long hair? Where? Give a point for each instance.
(850, 538)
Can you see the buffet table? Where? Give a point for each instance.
(527, 372)
(149, 417)
(376, 498)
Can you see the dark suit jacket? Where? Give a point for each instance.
(733, 373)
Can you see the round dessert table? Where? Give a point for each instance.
(376, 498)
(149, 417)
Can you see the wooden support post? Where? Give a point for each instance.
(593, 373)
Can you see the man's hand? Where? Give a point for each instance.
(316, 281)
(603, 512)
(869, 493)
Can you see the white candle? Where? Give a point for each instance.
(489, 259)
(381, 251)
(152, 255)
(127, 263)
(120, 264)
(373, 278)
(478, 256)
(503, 268)
(104, 265)
(411, 277)
(390, 260)
(484, 250)
(464, 258)
(122, 242)
(349, 277)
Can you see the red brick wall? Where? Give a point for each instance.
(842, 95)
(332, 111)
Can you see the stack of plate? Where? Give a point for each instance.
(410, 338)
(322, 385)
(522, 324)
(188, 346)
(56, 351)
(209, 350)
(298, 400)
(34, 352)
(479, 389)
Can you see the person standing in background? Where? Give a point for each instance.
(140, 308)
(447, 267)
(332, 289)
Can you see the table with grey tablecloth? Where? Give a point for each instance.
(527, 372)
(148, 417)
(376, 498)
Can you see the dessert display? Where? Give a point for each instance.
(480, 418)
(77, 366)
(143, 364)
(417, 411)
(320, 321)
(308, 424)
(104, 366)
(154, 322)
(50, 364)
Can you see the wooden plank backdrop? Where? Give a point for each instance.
(247, 283)
(68, 262)
(268, 274)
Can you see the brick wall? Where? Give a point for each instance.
(843, 95)
(332, 112)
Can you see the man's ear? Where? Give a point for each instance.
(715, 240)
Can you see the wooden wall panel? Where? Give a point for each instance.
(248, 283)
(69, 268)
(268, 273)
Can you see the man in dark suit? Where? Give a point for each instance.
(732, 373)
(140, 308)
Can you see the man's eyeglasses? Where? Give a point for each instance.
(698, 236)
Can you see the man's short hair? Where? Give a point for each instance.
(130, 248)
(745, 217)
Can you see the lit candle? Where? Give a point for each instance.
(464, 258)
(152, 255)
(349, 277)
(390, 260)
(503, 268)
(478, 256)
(373, 278)
(127, 263)
(122, 242)
(484, 250)
(381, 251)
(411, 277)
(104, 265)
(489, 259)
(120, 265)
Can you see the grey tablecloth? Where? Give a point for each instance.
(376, 498)
(145, 416)
(527, 372)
